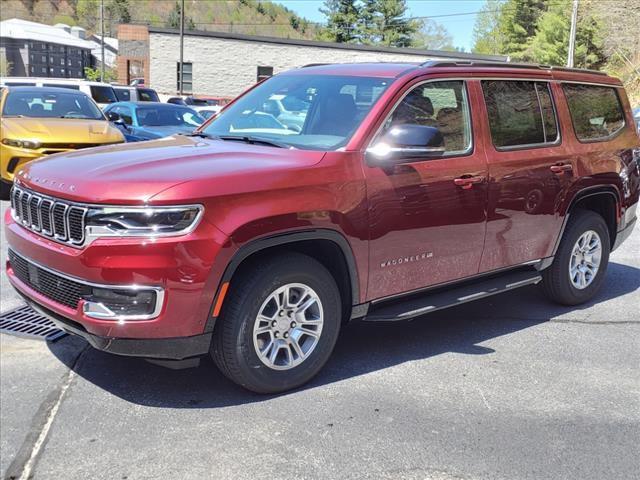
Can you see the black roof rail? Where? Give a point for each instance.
(480, 63)
(314, 65)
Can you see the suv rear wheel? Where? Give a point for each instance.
(279, 324)
(581, 261)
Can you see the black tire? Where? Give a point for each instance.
(233, 348)
(556, 279)
(5, 188)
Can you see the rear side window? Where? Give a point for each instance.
(596, 112)
(103, 94)
(521, 113)
(147, 95)
(122, 94)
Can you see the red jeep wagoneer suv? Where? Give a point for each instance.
(387, 191)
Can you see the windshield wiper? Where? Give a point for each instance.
(254, 140)
(200, 134)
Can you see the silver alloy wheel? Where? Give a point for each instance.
(585, 259)
(288, 326)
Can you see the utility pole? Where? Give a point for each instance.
(181, 45)
(572, 34)
(102, 39)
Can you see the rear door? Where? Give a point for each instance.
(529, 169)
(427, 217)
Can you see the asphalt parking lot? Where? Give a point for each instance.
(510, 387)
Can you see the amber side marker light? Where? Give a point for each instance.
(221, 295)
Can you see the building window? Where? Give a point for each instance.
(264, 72)
(187, 78)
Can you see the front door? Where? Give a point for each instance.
(427, 217)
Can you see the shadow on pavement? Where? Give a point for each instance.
(362, 348)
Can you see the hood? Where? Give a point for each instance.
(132, 173)
(163, 131)
(60, 130)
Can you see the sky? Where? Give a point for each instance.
(459, 26)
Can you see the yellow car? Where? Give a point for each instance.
(38, 121)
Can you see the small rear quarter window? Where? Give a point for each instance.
(596, 111)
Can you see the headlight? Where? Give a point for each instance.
(30, 144)
(142, 222)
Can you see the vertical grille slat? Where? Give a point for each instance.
(63, 221)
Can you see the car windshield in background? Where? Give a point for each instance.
(167, 116)
(51, 105)
(103, 94)
(301, 111)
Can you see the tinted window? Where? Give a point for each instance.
(595, 111)
(123, 94)
(442, 105)
(147, 95)
(163, 116)
(520, 113)
(62, 85)
(103, 94)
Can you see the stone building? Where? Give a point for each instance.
(226, 64)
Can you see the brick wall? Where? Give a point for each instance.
(133, 44)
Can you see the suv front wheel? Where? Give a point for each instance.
(581, 261)
(279, 323)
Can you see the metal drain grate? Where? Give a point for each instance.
(24, 322)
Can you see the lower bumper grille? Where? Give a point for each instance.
(55, 287)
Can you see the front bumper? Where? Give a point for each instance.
(162, 348)
(183, 267)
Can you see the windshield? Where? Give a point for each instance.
(51, 105)
(103, 94)
(301, 111)
(167, 116)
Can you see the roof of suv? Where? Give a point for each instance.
(394, 70)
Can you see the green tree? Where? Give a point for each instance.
(173, 20)
(342, 20)
(393, 27)
(486, 31)
(434, 36)
(550, 45)
(517, 27)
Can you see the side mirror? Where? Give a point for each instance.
(404, 144)
(115, 118)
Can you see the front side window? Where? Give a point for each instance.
(125, 114)
(521, 113)
(51, 105)
(302, 111)
(442, 105)
(596, 112)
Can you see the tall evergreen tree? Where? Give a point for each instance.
(393, 28)
(486, 32)
(517, 26)
(342, 20)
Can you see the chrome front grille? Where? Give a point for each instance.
(49, 217)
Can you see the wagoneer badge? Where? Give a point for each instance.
(409, 259)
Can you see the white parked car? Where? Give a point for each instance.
(102, 93)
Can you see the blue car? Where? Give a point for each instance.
(140, 121)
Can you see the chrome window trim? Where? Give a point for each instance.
(160, 293)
